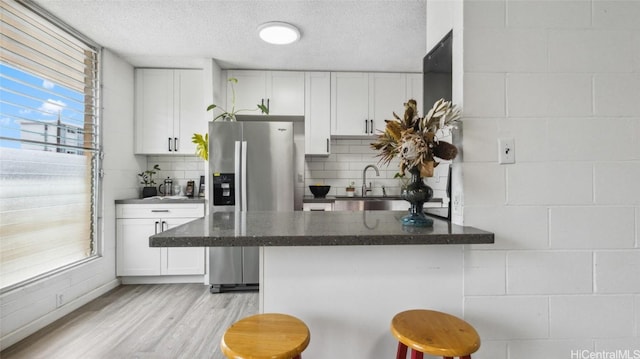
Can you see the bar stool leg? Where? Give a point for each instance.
(402, 351)
(416, 354)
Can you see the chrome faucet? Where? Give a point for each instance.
(366, 189)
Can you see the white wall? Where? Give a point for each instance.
(563, 79)
(25, 310)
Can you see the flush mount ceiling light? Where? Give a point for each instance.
(278, 33)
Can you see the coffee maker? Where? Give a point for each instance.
(166, 188)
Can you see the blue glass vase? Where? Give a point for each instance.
(416, 193)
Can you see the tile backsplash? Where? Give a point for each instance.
(179, 168)
(346, 162)
(348, 159)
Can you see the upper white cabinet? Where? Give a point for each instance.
(169, 109)
(387, 95)
(281, 91)
(360, 102)
(350, 103)
(317, 113)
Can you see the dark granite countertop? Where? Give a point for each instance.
(231, 229)
(160, 200)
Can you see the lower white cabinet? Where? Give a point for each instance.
(136, 222)
(315, 206)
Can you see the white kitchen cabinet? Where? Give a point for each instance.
(136, 222)
(317, 113)
(315, 206)
(387, 93)
(360, 102)
(281, 91)
(169, 109)
(350, 104)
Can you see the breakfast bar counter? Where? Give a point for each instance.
(343, 228)
(345, 274)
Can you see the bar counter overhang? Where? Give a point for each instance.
(345, 274)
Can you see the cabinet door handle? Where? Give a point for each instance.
(175, 142)
(164, 226)
(156, 227)
(169, 144)
(268, 108)
(327, 145)
(160, 210)
(371, 126)
(366, 126)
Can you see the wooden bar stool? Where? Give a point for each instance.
(434, 333)
(262, 336)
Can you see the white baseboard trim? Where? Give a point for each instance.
(164, 279)
(28, 329)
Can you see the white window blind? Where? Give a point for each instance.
(49, 145)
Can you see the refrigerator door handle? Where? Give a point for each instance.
(238, 174)
(243, 182)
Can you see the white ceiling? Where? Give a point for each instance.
(357, 35)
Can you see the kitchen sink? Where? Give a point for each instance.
(369, 204)
(373, 203)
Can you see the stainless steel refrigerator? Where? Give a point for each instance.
(250, 169)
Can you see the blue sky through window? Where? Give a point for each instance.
(26, 98)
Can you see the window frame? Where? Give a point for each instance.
(95, 177)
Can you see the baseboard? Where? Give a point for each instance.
(23, 332)
(164, 279)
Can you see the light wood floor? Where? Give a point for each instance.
(142, 321)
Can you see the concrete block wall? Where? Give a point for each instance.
(563, 79)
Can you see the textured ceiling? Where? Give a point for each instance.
(360, 35)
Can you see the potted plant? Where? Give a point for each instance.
(231, 115)
(351, 189)
(202, 141)
(146, 179)
(202, 145)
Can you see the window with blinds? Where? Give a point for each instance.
(49, 145)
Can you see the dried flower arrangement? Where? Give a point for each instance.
(415, 139)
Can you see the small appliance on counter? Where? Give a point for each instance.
(166, 188)
(201, 187)
(188, 191)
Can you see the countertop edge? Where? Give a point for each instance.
(347, 228)
(158, 201)
(311, 241)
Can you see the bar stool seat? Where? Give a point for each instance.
(434, 333)
(269, 335)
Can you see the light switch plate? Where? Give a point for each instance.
(506, 150)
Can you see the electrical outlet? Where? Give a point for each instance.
(457, 202)
(506, 150)
(59, 300)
